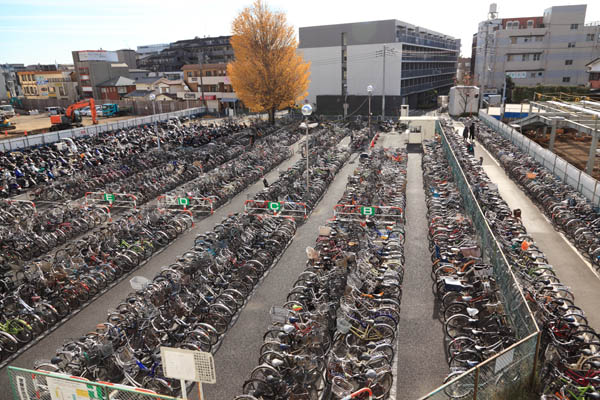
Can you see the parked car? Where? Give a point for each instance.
(7, 111)
(55, 110)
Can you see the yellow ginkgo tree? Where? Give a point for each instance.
(267, 73)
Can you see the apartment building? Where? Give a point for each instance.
(347, 58)
(212, 50)
(551, 49)
(212, 80)
(9, 81)
(48, 85)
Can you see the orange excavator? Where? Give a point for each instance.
(72, 119)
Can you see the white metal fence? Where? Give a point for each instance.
(51, 137)
(565, 171)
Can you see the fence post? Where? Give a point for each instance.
(476, 385)
(535, 360)
(554, 165)
(578, 179)
(594, 194)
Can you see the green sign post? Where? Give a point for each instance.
(109, 197)
(274, 205)
(183, 201)
(367, 210)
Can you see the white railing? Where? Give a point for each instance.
(51, 137)
(563, 170)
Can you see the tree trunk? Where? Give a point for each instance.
(272, 116)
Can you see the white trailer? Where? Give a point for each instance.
(463, 100)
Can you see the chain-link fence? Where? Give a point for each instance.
(26, 384)
(566, 172)
(513, 368)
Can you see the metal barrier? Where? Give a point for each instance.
(355, 212)
(513, 368)
(566, 172)
(197, 205)
(29, 384)
(113, 200)
(24, 203)
(292, 209)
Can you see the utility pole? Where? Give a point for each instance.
(383, 87)
(484, 65)
(201, 62)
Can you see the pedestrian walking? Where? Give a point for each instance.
(472, 131)
(265, 182)
(466, 133)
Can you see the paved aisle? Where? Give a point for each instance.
(572, 269)
(421, 356)
(87, 319)
(239, 352)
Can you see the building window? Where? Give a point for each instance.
(571, 44)
(566, 79)
(540, 73)
(189, 74)
(524, 57)
(510, 57)
(539, 38)
(530, 23)
(513, 40)
(574, 26)
(537, 56)
(568, 62)
(589, 37)
(532, 75)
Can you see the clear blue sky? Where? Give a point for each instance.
(43, 31)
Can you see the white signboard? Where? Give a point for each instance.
(98, 55)
(517, 74)
(61, 389)
(189, 365)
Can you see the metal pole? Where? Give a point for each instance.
(552, 135)
(476, 384)
(535, 359)
(383, 88)
(578, 179)
(307, 171)
(594, 194)
(155, 124)
(503, 99)
(482, 83)
(370, 114)
(592, 156)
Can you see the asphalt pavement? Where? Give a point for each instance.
(572, 268)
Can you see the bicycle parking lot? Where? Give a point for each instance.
(369, 299)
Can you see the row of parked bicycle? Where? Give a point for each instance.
(192, 302)
(52, 287)
(470, 306)
(569, 211)
(335, 333)
(99, 157)
(570, 348)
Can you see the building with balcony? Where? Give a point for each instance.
(59, 85)
(552, 49)
(212, 80)
(346, 58)
(463, 72)
(209, 50)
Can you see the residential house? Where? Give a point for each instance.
(116, 88)
(212, 80)
(593, 68)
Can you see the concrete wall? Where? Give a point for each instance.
(326, 71)
(357, 34)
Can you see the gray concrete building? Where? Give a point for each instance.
(347, 58)
(96, 66)
(551, 49)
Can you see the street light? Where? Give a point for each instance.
(152, 97)
(307, 111)
(370, 92)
